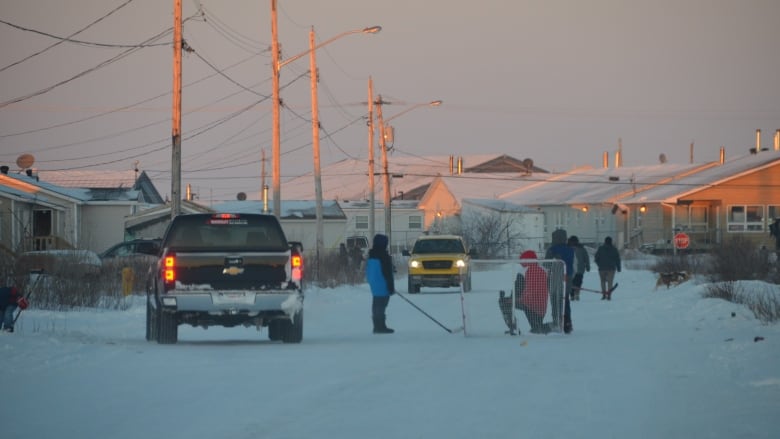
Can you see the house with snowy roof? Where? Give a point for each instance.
(84, 213)
(721, 200)
(639, 207)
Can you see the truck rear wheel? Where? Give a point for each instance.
(151, 323)
(293, 330)
(168, 327)
(275, 329)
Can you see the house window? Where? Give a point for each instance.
(415, 222)
(558, 221)
(361, 222)
(772, 213)
(745, 218)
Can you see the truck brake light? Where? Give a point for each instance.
(169, 269)
(296, 262)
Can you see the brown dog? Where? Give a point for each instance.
(671, 278)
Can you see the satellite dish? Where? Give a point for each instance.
(25, 161)
(662, 158)
(529, 164)
(241, 196)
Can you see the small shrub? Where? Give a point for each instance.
(761, 298)
(332, 270)
(68, 282)
(739, 259)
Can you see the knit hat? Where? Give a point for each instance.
(528, 254)
(559, 237)
(380, 241)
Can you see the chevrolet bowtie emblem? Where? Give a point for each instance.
(232, 270)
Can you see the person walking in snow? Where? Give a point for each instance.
(379, 274)
(559, 250)
(608, 260)
(10, 299)
(581, 265)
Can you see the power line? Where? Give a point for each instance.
(61, 40)
(135, 104)
(105, 63)
(239, 40)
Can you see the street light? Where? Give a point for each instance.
(277, 65)
(383, 146)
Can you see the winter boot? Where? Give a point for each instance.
(603, 295)
(380, 327)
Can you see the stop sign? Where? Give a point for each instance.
(681, 241)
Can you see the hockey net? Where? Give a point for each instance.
(536, 296)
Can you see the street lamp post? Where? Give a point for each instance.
(276, 104)
(383, 147)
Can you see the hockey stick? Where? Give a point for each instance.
(451, 331)
(596, 291)
(39, 273)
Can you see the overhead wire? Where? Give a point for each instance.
(81, 74)
(61, 40)
(129, 106)
(237, 38)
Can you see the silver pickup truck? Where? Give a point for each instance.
(227, 270)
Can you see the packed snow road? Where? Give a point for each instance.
(648, 364)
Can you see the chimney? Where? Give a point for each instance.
(452, 164)
(691, 152)
(188, 197)
(605, 160)
(722, 155)
(758, 141)
(460, 165)
(619, 155)
(618, 159)
(777, 140)
(4, 170)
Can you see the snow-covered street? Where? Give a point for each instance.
(648, 364)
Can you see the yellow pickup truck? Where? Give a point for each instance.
(439, 261)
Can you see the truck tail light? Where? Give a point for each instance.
(169, 268)
(296, 263)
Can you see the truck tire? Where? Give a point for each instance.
(151, 323)
(167, 328)
(467, 283)
(293, 331)
(276, 329)
(412, 288)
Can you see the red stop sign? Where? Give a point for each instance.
(681, 241)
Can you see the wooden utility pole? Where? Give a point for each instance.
(315, 133)
(371, 182)
(385, 170)
(264, 186)
(176, 118)
(276, 147)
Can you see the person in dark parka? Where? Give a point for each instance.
(560, 250)
(608, 260)
(581, 265)
(379, 274)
